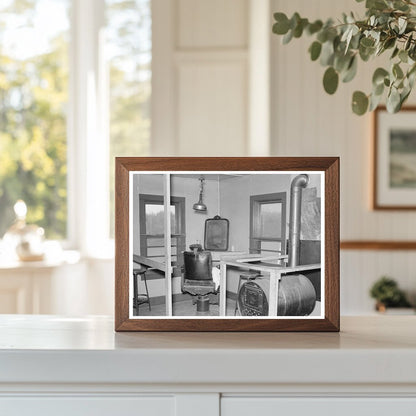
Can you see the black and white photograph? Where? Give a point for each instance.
(226, 244)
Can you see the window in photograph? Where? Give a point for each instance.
(268, 223)
(152, 243)
(33, 107)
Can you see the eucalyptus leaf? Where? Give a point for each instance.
(412, 70)
(400, 5)
(393, 101)
(411, 78)
(341, 62)
(315, 50)
(374, 102)
(330, 80)
(376, 4)
(281, 27)
(288, 37)
(322, 35)
(402, 22)
(412, 52)
(350, 73)
(379, 75)
(327, 54)
(298, 30)
(367, 42)
(314, 27)
(359, 103)
(389, 43)
(404, 96)
(378, 89)
(366, 53)
(397, 71)
(408, 42)
(403, 56)
(294, 20)
(395, 52)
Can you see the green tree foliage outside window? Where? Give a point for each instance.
(33, 100)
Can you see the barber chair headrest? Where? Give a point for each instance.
(195, 247)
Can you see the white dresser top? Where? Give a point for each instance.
(50, 349)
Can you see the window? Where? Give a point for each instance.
(152, 243)
(268, 223)
(75, 87)
(33, 112)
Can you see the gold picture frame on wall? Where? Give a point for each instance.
(260, 273)
(394, 159)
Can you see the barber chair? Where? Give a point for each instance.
(197, 277)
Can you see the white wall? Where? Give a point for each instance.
(200, 77)
(204, 87)
(308, 122)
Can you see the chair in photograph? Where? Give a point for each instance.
(197, 277)
(139, 274)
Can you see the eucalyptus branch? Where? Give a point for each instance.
(389, 25)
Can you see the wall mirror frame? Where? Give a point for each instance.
(326, 168)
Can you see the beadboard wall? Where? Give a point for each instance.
(305, 121)
(219, 76)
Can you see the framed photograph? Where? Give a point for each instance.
(227, 244)
(394, 180)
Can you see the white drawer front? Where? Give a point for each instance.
(87, 406)
(272, 406)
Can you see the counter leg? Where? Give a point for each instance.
(275, 277)
(223, 288)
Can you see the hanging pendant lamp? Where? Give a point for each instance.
(200, 206)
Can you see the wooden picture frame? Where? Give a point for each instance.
(394, 146)
(326, 169)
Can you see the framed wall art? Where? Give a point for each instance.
(227, 244)
(394, 179)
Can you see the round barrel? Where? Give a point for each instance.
(297, 297)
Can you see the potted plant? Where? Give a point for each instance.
(389, 27)
(387, 294)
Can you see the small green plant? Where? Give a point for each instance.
(387, 294)
(389, 26)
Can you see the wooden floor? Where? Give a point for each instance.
(183, 308)
(186, 308)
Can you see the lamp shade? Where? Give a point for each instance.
(200, 206)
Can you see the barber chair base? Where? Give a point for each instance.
(202, 305)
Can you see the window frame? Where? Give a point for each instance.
(88, 135)
(255, 239)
